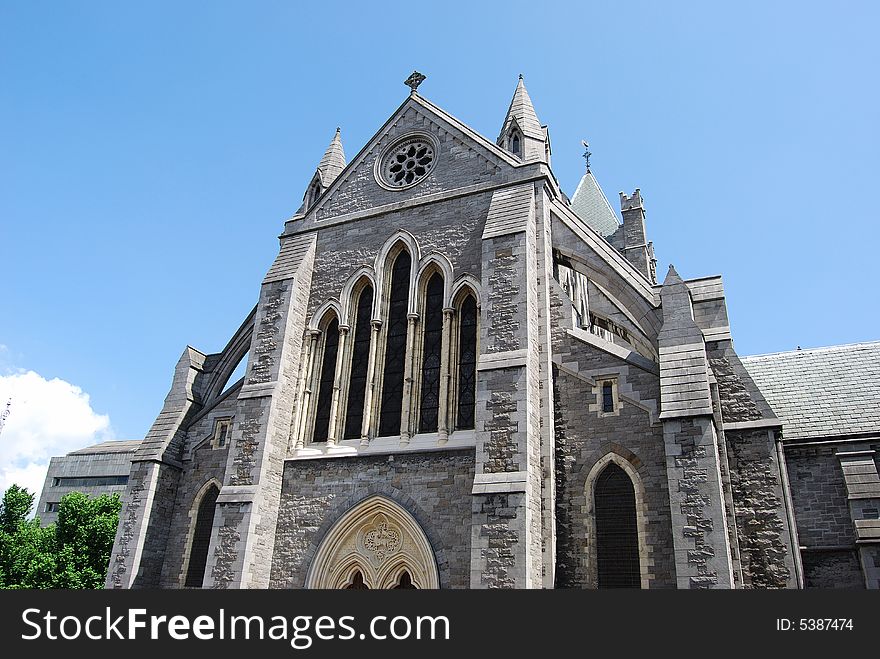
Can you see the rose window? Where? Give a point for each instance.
(408, 163)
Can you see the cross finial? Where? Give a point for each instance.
(587, 153)
(415, 79)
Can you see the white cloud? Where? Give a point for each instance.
(47, 418)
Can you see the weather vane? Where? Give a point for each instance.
(415, 79)
(587, 153)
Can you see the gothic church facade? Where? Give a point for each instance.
(458, 377)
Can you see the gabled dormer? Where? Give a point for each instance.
(522, 134)
(329, 168)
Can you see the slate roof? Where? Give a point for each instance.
(114, 446)
(822, 392)
(591, 205)
(509, 210)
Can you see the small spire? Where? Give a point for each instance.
(522, 111)
(587, 153)
(333, 161)
(672, 277)
(415, 79)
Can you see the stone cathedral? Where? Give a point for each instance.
(459, 377)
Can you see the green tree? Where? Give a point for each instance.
(73, 553)
(15, 507)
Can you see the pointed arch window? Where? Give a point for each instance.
(395, 347)
(325, 384)
(617, 537)
(381, 541)
(467, 363)
(432, 345)
(404, 582)
(313, 194)
(201, 539)
(357, 582)
(515, 143)
(360, 358)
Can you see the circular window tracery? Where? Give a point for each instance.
(408, 162)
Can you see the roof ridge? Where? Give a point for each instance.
(831, 348)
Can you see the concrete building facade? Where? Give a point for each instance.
(459, 378)
(94, 470)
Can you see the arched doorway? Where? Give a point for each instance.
(617, 536)
(375, 545)
(201, 537)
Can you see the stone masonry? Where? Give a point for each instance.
(582, 366)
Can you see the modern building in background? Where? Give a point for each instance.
(94, 470)
(458, 377)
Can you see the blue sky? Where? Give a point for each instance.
(150, 152)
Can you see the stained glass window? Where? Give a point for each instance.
(467, 363)
(325, 386)
(617, 537)
(357, 384)
(395, 348)
(198, 553)
(431, 352)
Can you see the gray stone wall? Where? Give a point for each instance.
(583, 437)
(503, 326)
(435, 488)
(507, 490)
(825, 528)
(148, 504)
(832, 569)
(760, 512)
(240, 553)
(501, 533)
(155, 540)
(458, 164)
(764, 543)
(343, 248)
(201, 464)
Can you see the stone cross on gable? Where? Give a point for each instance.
(415, 79)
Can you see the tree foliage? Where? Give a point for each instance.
(72, 553)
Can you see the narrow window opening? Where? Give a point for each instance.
(607, 397)
(314, 193)
(357, 386)
(221, 432)
(467, 364)
(515, 145)
(325, 387)
(431, 349)
(395, 348)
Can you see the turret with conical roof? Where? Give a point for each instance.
(522, 134)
